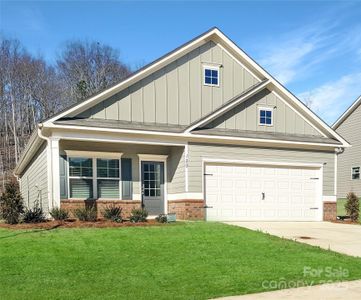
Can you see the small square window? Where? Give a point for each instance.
(355, 173)
(265, 116)
(211, 76)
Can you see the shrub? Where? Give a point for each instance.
(352, 206)
(59, 214)
(87, 213)
(162, 218)
(113, 213)
(138, 215)
(11, 203)
(34, 215)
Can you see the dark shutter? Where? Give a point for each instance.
(127, 191)
(63, 177)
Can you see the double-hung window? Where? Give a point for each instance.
(81, 177)
(355, 173)
(108, 178)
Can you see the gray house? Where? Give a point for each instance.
(204, 132)
(349, 162)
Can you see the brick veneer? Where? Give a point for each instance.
(187, 209)
(329, 211)
(126, 205)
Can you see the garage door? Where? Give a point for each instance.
(269, 193)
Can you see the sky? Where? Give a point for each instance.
(312, 47)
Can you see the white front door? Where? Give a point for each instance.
(253, 192)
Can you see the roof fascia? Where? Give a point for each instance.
(347, 113)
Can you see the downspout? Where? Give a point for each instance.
(50, 170)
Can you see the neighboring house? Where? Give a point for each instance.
(203, 131)
(349, 162)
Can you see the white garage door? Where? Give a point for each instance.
(252, 192)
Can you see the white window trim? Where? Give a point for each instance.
(156, 158)
(271, 109)
(211, 67)
(352, 173)
(94, 156)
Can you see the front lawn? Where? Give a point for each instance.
(180, 261)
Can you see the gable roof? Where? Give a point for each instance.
(347, 113)
(231, 48)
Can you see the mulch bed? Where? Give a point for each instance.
(79, 224)
(347, 221)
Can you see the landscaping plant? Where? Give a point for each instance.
(138, 215)
(352, 206)
(59, 214)
(34, 215)
(87, 213)
(162, 218)
(11, 203)
(113, 213)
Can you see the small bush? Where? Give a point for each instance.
(162, 218)
(138, 215)
(352, 206)
(113, 213)
(88, 213)
(34, 215)
(59, 214)
(11, 203)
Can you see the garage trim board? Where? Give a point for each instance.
(239, 190)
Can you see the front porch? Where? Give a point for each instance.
(125, 175)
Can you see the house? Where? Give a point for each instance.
(349, 162)
(204, 132)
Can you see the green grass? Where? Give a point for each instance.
(181, 261)
(341, 207)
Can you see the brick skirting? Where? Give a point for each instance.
(125, 205)
(187, 209)
(329, 211)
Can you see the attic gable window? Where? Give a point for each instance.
(265, 116)
(211, 75)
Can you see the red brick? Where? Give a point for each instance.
(329, 211)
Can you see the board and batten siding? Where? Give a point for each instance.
(34, 181)
(197, 152)
(351, 157)
(176, 94)
(246, 117)
(175, 161)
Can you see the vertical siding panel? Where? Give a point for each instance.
(280, 120)
(195, 84)
(217, 92)
(137, 102)
(183, 83)
(206, 57)
(149, 105)
(111, 108)
(238, 79)
(161, 97)
(124, 106)
(172, 93)
(99, 111)
(290, 120)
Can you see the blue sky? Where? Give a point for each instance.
(314, 48)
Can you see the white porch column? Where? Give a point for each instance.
(55, 173)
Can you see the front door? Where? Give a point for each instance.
(153, 186)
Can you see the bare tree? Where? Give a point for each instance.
(89, 67)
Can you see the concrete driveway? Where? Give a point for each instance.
(343, 238)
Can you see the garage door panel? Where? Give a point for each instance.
(235, 193)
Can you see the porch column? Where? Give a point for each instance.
(55, 172)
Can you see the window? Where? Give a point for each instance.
(81, 177)
(211, 76)
(266, 116)
(108, 178)
(355, 173)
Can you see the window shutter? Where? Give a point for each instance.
(127, 191)
(63, 177)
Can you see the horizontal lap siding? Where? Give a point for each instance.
(176, 171)
(34, 181)
(350, 130)
(199, 151)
